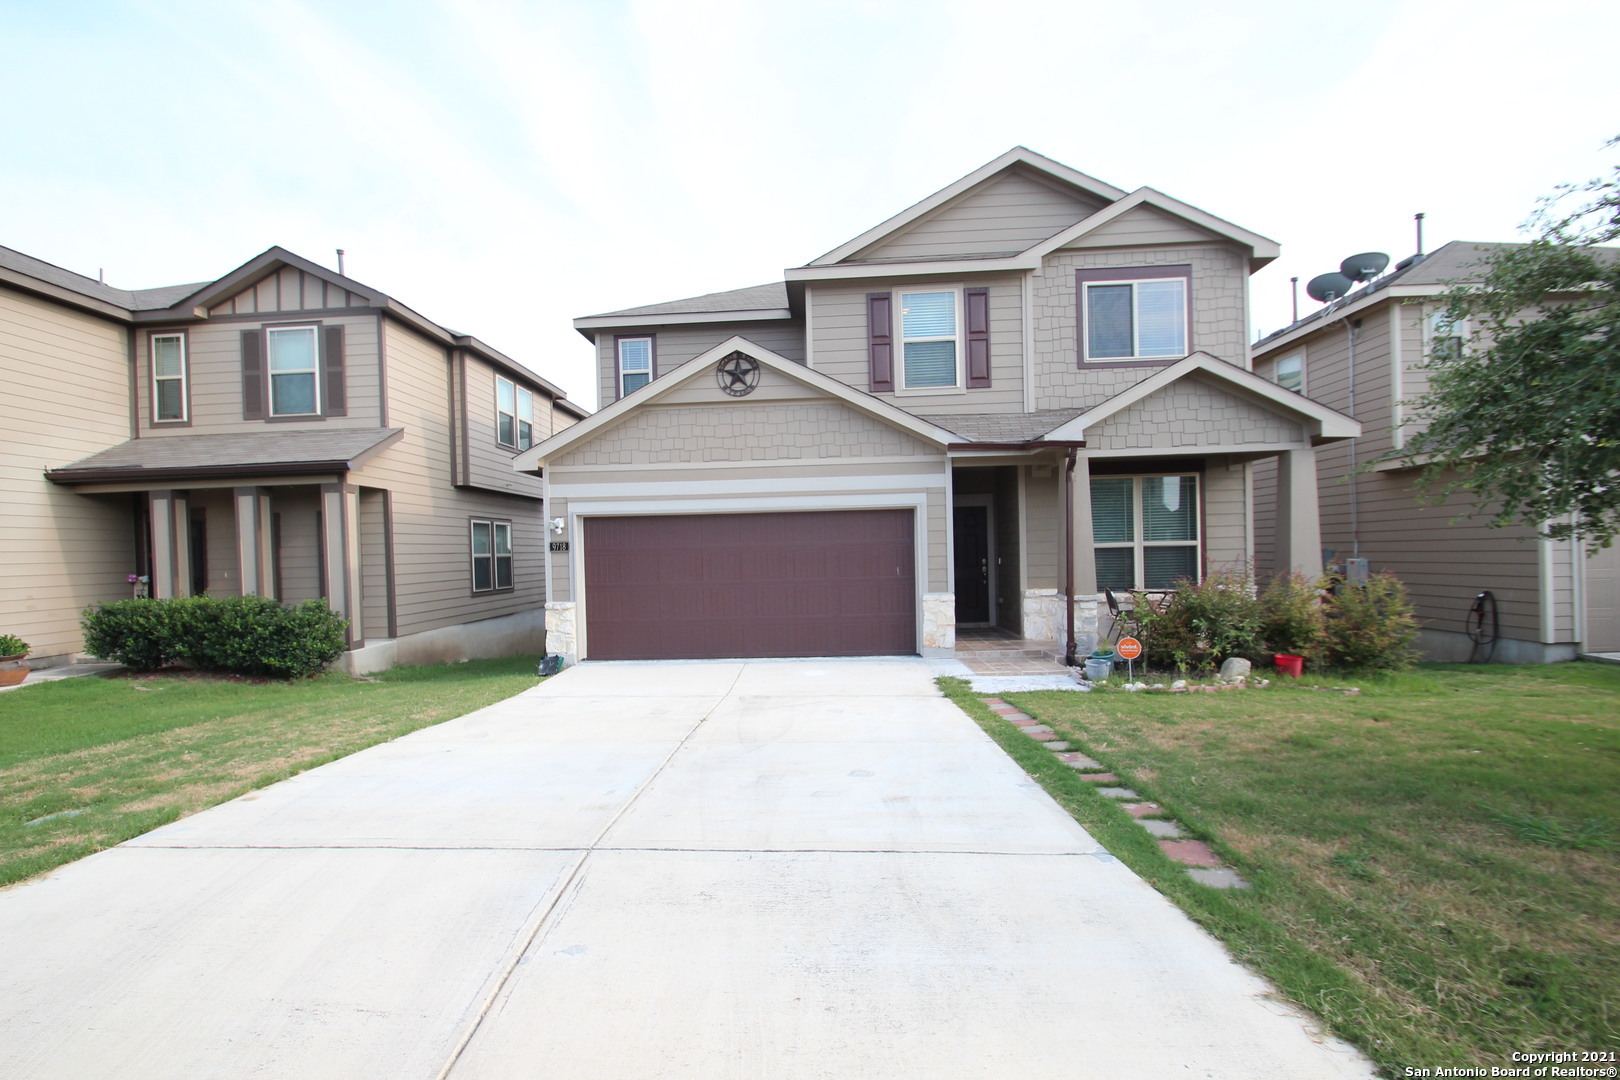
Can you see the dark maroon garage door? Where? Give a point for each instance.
(833, 583)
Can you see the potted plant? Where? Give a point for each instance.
(12, 668)
(1100, 664)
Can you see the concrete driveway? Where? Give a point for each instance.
(708, 870)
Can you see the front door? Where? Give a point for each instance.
(971, 525)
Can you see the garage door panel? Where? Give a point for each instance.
(822, 583)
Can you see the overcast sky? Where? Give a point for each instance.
(504, 166)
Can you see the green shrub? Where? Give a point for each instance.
(244, 635)
(137, 633)
(1370, 627)
(1203, 623)
(1291, 615)
(12, 645)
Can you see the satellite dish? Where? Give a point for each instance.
(1364, 267)
(1325, 288)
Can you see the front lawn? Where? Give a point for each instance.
(88, 763)
(1434, 860)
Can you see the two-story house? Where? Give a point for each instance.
(1368, 355)
(283, 430)
(1024, 389)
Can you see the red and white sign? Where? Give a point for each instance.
(1129, 648)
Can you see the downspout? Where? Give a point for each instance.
(1350, 328)
(1068, 562)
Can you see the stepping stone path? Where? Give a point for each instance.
(1203, 865)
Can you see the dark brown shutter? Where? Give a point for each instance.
(977, 302)
(880, 341)
(252, 376)
(332, 367)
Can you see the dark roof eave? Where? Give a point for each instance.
(69, 477)
(1033, 444)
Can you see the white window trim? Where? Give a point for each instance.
(1431, 334)
(1136, 322)
(899, 338)
(496, 527)
(151, 357)
(618, 362)
(1137, 545)
(271, 372)
(520, 393)
(1276, 371)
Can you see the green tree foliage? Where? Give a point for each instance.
(1526, 416)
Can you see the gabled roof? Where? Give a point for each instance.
(175, 457)
(1004, 428)
(1018, 155)
(1328, 423)
(129, 300)
(262, 266)
(535, 458)
(1265, 250)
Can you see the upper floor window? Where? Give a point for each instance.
(1137, 313)
(1144, 530)
(635, 363)
(294, 370)
(168, 377)
(491, 555)
(514, 414)
(1445, 336)
(930, 348)
(1290, 373)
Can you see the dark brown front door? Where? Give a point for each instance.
(828, 583)
(972, 564)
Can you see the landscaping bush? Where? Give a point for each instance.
(243, 635)
(1290, 616)
(1370, 627)
(1203, 623)
(137, 633)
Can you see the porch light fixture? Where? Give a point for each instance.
(557, 525)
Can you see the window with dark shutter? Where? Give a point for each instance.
(880, 342)
(252, 376)
(977, 317)
(336, 401)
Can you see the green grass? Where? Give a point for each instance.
(1433, 860)
(106, 759)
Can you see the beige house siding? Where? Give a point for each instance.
(373, 564)
(67, 396)
(1143, 226)
(1219, 317)
(432, 546)
(1191, 414)
(288, 290)
(838, 336)
(298, 557)
(1225, 515)
(1043, 525)
(218, 511)
(490, 463)
(214, 360)
(1009, 212)
(676, 345)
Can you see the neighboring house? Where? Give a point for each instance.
(1025, 388)
(283, 430)
(1552, 602)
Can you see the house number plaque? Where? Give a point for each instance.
(559, 545)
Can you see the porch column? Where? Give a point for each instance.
(1085, 563)
(171, 544)
(253, 540)
(340, 547)
(1299, 522)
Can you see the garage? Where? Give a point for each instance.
(707, 586)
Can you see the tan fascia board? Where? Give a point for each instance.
(1017, 155)
(1330, 423)
(1338, 315)
(56, 293)
(536, 457)
(851, 271)
(608, 322)
(1263, 250)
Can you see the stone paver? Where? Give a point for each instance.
(1143, 809)
(1190, 852)
(1167, 830)
(1217, 877)
(1118, 793)
(1099, 778)
(1079, 761)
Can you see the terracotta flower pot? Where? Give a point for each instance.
(13, 669)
